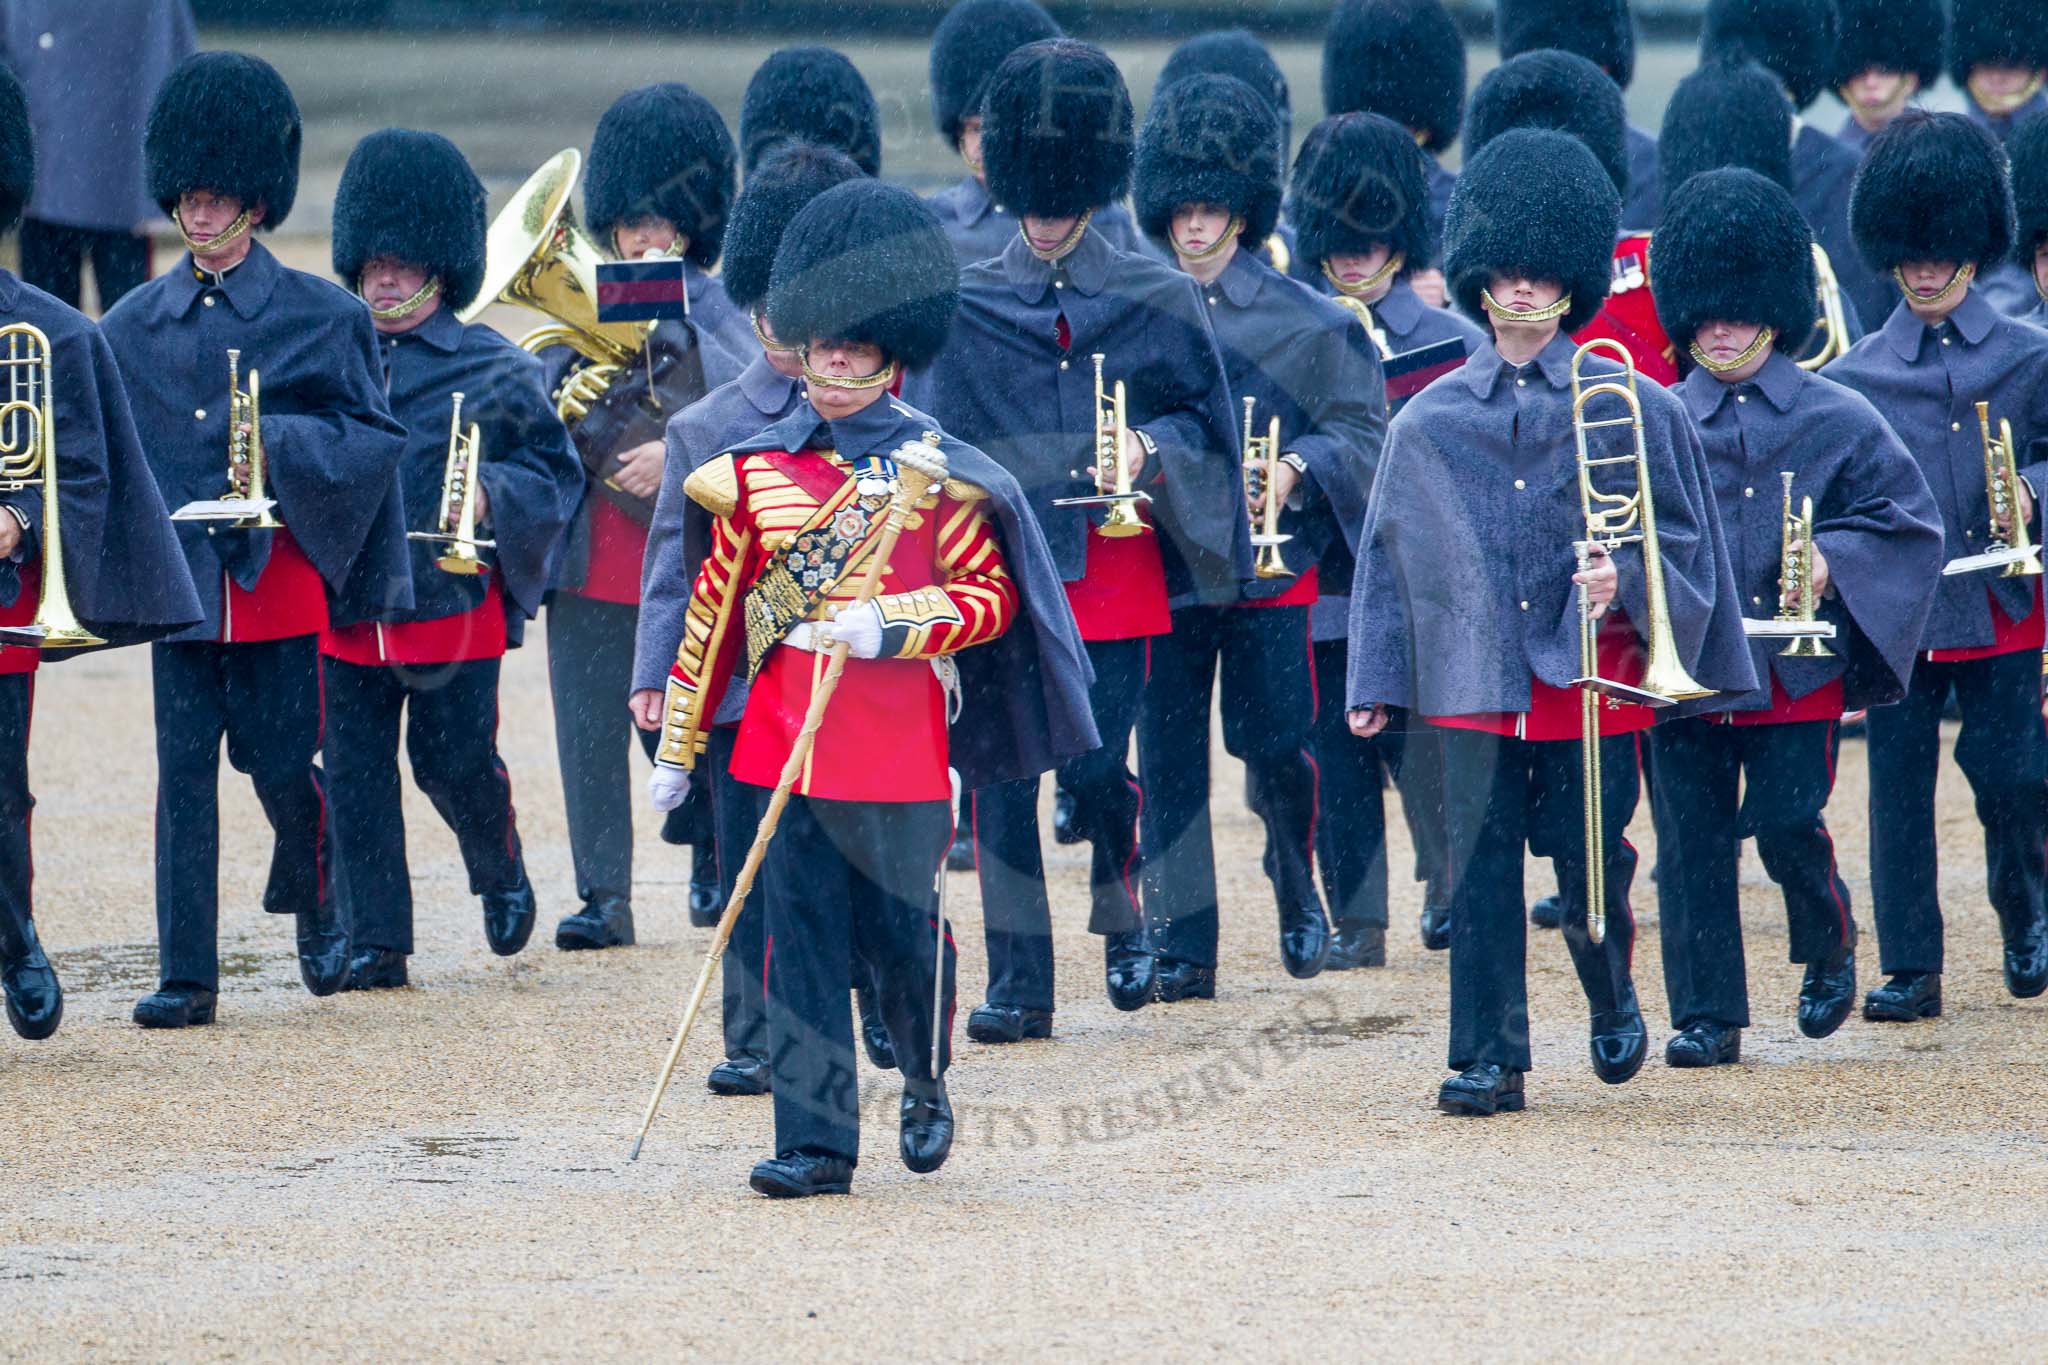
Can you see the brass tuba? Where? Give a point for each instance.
(455, 523)
(1797, 621)
(1834, 325)
(28, 459)
(1261, 457)
(1112, 476)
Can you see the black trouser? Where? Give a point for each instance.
(2003, 752)
(847, 881)
(590, 667)
(17, 907)
(264, 697)
(1500, 794)
(53, 260)
(451, 736)
(1268, 706)
(736, 813)
(1017, 917)
(1784, 774)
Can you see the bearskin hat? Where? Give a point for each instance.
(1733, 247)
(413, 196)
(970, 44)
(1533, 201)
(813, 94)
(1234, 52)
(662, 149)
(1360, 180)
(17, 151)
(1891, 35)
(1996, 33)
(791, 177)
(866, 262)
(1552, 89)
(1209, 140)
(225, 122)
(1726, 114)
(1598, 30)
(1056, 136)
(1794, 40)
(1401, 58)
(2029, 151)
(1933, 188)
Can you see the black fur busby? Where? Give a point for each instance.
(1209, 140)
(17, 151)
(1996, 33)
(1726, 114)
(812, 94)
(1234, 52)
(411, 195)
(1056, 136)
(1401, 58)
(1794, 40)
(662, 149)
(970, 44)
(1360, 180)
(866, 262)
(1598, 30)
(1891, 35)
(1733, 247)
(1933, 188)
(2028, 149)
(225, 122)
(790, 178)
(1552, 89)
(1533, 201)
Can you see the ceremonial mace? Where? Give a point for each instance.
(919, 468)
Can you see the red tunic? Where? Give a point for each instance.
(2007, 635)
(478, 633)
(1630, 313)
(617, 545)
(1121, 593)
(23, 658)
(1823, 703)
(1302, 592)
(1554, 712)
(289, 598)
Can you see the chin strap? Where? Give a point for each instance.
(858, 383)
(1370, 282)
(1067, 243)
(1763, 341)
(769, 343)
(1553, 312)
(412, 305)
(1965, 272)
(220, 241)
(1215, 248)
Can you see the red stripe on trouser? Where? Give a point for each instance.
(1841, 906)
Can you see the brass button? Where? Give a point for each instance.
(208, 300)
(1944, 341)
(199, 414)
(1757, 601)
(1955, 426)
(1525, 606)
(1520, 484)
(1059, 284)
(1749, 492)
(47, 41)
(1063, 364)
(1742, 398)
(1521, 383)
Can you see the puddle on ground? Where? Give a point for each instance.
(1332, 1031)
(470, 1147)
(133, 967)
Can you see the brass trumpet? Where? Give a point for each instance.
(2009, 549)
(28, 459)
(245, 448)
(1834, 324)
(1261, 461)
(1112, 476)
(455, 523)
(1797, 620)
(1614, 519)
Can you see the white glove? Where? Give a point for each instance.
(667, 787)
(860, 626)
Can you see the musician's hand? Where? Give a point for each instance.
(647, 704)
(1134, 457)
(1367, 721)
(1429, 287)
(10, 536)
(1820, 572)
(2025, 497)
(1601, 580)
(482, 499)
(860, 627)
(667, 787)
(639, 470)
(1286, 478)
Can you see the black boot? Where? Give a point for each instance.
(1180, 980)
(1906, 997)
(1304, 939)
(926, 1136)
(739, 1076)
(606, 922)
(874, 1034)
(376, 969)
(1704, 1044)
(802, 1174)
(1619, 1039)
(323, 950)
(1827, 994)
(508, 917)
(1436, 926)
(2026, 958)
(705, 903)
(35, 1000)
(1128, 970)
(989, 1023)
(1481, 1091)
(1357, 945)
(175, 1006)
(1547, 913)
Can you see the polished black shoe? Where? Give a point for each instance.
(992, 1023)
(960, 856)
(1063, 831)
(2026, 962)
(323, 951)
(1547, 913)
(35, 999)
(603, 923)
(175, 1007)
(1904, 998)
(739, 1076)
(706, 905)
(1481, 1091)
(926, 1137)
(1128, 970)
(376, 969)
(1619, 1039)
(802, 1174)
(1827, 994)
(1436, 927)
(1357, 945)
(1304, 940)
(1704, 1045)
(508, 917)
(1178, 980)
(874, 1034)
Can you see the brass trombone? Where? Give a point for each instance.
(455, 523)
(28, 459)
(1797, 621)
(1261, 462)
(1614, 519)
(1112, 475)
(2010, 548)
(1834, 324)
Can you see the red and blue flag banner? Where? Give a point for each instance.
(1410, 372)
(641, 291)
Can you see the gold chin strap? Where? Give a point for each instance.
(1965, 272)
(885, 375)
(1067, 243)
(1369, 283)
(410, 306)
(1215, 248)
(2005, 104)
(1555, 310)
(219, 241)
(768, 343)
(1764, 337)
